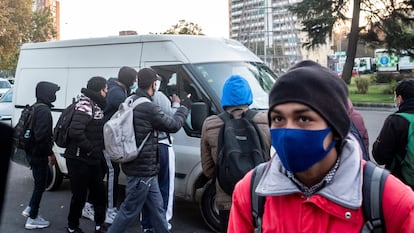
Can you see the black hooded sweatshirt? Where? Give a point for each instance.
(42, 143)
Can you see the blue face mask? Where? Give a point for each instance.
(133, 87)
(299, 149)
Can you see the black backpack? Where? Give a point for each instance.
(61, 130)
(240, 148)
(23, 131)
(372, 188)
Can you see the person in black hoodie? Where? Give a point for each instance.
(84, 154)
(40, 152)
(390, 147)
(118, 90)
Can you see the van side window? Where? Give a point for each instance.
(177, 81)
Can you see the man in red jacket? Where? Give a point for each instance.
(314, 181)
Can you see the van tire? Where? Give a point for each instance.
(208, 208)
(55, 178)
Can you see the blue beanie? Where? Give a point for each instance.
(236, 92)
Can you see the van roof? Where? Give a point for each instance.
(196, 48)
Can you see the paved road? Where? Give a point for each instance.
(54, 206)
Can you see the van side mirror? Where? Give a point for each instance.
(199, 112)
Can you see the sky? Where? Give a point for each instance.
(97, 18)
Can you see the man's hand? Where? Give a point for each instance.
(175, 98)
(52, 159)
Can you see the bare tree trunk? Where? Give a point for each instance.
(352, 43)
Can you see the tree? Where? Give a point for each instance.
(18, 25)
(43, 27)
(185, 28)
(390, 24)
(15, 19)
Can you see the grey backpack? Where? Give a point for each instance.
(119, 132)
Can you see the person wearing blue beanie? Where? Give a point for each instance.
(236, 92)
(235, 100)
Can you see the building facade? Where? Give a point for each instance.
(272, 32)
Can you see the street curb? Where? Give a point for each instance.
(375, 106)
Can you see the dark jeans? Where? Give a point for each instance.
(140, 192)
(39, 166)
(84, 177)
(163, 182)
(224, 220)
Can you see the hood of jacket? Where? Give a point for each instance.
(345, 188)
(46, 93)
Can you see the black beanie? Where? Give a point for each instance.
(317, 87)
(146, 77)
(405, 88)
(96, 83)
(127, 75)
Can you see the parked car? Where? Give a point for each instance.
(4, 86)
(6, 107)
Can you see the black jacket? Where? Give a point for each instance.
(116, 95)
(393, 139)
(148, 117)
(42, 143)
(86, 128)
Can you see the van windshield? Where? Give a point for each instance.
(259, 76)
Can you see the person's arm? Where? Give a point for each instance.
(398, 206)
(169, 124)
(42, 128)
(389, 141)
(206, 150)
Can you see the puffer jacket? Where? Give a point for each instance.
(392, 139)
(208, 147)
(334, 208)
(42, 143)
(86, 129)
(149, 117)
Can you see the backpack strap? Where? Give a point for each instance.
(373, 189)
(257, 202)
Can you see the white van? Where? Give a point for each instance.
(196, 65)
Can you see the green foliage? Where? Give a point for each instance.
(385, 77)
(43, 27)
(375, 94)
(388, 77)
(19, 24)
(185, 28)
(15, 18)
(362, 85)
(391, 87)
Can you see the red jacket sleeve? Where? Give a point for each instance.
(398, 206)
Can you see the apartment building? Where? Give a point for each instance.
(272, 32)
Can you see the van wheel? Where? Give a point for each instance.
(208, 207)
(55, 178)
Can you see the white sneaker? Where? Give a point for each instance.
(110, 215)
(36, 223)
(88, 211)
(26, 211)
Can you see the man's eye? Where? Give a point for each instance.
(304, 119)
(277, 119)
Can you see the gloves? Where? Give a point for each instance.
(186, 102)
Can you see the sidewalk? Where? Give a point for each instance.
(375, 106)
